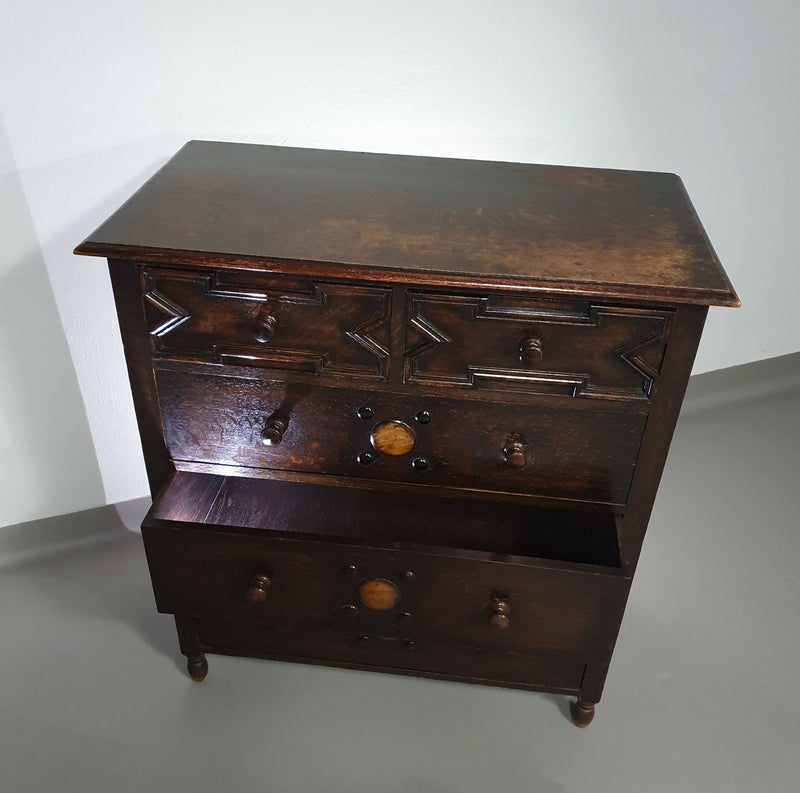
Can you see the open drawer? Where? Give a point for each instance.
(401, 570)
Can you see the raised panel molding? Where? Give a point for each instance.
(607, 352)
(175, 315)
(335, 327)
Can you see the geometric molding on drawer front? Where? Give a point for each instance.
(339, 328)
(362, 334)
(587, 351)
(428, 337)
(175, 314)
(645, 355)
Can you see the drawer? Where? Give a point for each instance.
(391, 597)
(261, 319)
(570, 453)
(567, 348)
(382, 653)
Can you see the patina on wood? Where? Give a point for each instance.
(405, 414)
(543, 227)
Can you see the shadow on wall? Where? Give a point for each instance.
(48, 464)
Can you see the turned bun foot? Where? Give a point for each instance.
(582, 713)
(197, 666)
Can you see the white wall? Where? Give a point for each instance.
(97, 95)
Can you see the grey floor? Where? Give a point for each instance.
(702, 695)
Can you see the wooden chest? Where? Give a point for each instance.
(401, 413)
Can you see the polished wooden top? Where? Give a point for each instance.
(443, 222)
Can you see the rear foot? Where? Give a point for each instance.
(582, 713)
(197, 666)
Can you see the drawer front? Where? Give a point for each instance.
(259, 319)
(559, 453)
(567, 348)
(424, 658)
(390, 598)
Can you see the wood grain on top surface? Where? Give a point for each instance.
(604, 232)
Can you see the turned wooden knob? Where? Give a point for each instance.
(257, 593)
(499, 612)
(272, 434)
(265, 328)
(514, 453)
(530, 351)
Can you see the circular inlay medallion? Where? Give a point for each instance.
(393, 437)
(378, 594)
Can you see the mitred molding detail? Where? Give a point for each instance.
(316, 324)
(361, 335)
(176, 315)
(586, 359)
(645, 355)
(429, 336)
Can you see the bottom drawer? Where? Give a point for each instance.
(388, 654)
(345, 568)
(389, 595)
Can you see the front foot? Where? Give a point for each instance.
(582, 713)
(197, 666)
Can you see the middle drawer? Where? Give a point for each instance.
(564, 453)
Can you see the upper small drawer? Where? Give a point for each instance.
(541, 346)
(260, 319)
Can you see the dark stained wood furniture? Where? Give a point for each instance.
(402, 413)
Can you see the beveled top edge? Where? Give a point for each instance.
(403, 217)
(361, 272)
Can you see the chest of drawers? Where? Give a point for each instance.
(405, 414)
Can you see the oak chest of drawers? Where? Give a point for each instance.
(405, 414)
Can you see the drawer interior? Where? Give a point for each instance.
(396, 520)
